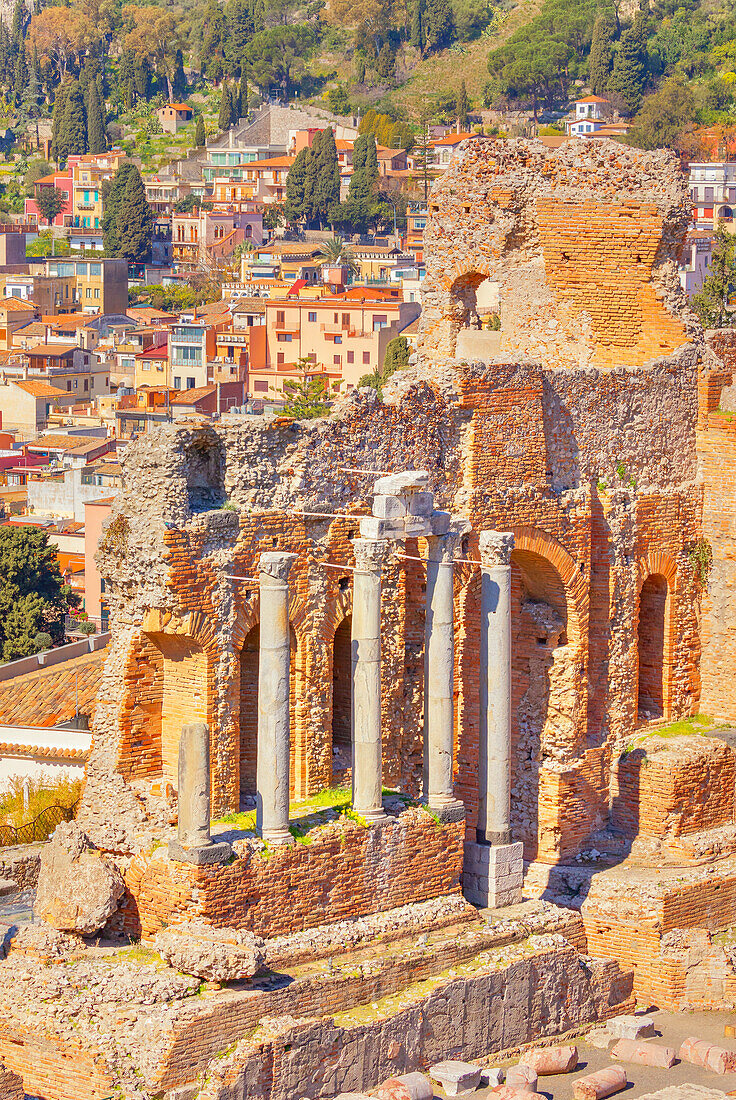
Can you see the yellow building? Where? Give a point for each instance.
(88, 172)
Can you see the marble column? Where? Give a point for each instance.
(274, 724)
(493, 868)
(439, 678)
(366, 678)
(194, 843)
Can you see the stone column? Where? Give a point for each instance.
(439, 678)
(193, 843)
(366, 677)
(493, 869)
(274, 724)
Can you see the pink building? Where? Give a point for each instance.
(62, 181)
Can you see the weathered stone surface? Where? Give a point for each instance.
(215, 954)
(630, 1027)
(596, 1086)
(408, 1086)
(644, 1054)
(700, 1053)
(11, 1085)
(456, 1078)
(78, 887)
(39, 940)
(550, 1060)
(521, 1077)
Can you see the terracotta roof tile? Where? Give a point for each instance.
(47, 697)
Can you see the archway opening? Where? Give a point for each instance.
(248, 721)
(341, 702)
(651, 637)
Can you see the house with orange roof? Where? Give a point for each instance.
(14, 314)
(589, 114)
(173, 116)
(26, 403)
(152, 366)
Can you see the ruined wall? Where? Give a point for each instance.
(594, 470)
(580, 241)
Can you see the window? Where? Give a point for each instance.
(97, 292)
(146, 366)
(88, 293)
(337, 318)
(86, 384)
(69, 385)
(346, 320)
(280, 358)
(91, 383)
(336, 359)
(366, 357)
(75, 384)
(708, 194)
(338, 339)
(312, 316)
(284, 337)
(380, 320)
(260, 387)
(351, 357)
(102, 585)
(177, 382)
(191, 383)
(280, 316)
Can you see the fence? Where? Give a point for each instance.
(40, 828)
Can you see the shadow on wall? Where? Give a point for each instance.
(205, 473)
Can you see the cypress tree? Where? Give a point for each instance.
(225, 117)
(326, 194)
(439, 24)
(360, 68)
(462, 106)
(73, 135)
(57, 119)
(360, 200)
(96, 133)
(135, 219)
(21, 76)
(601, 53)
(417, 25)
(627, 79)
(199, 135)
(242, 104)
(179, 80)
(113, 202)
(16, 27)
(240, 30)
(296, 209)
(311, 209)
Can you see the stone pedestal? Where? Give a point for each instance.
(366, 677)
(439, 675)
(493, 874)
(193, 843)
(274, 718)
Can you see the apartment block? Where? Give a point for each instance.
(100, 286)
(713, 194)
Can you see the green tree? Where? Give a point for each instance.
(711, 301)
(337, 251)
(306, 397)
(664, 116)
(57, 118)
(462, 106)
(601, 52)
(297, 207)
(37, 168)
(242, 100)
(33, 596)
(199, 134)
(127, 223)
(72, 135)
(240, 30)
(276, 54)
(179, 79)
(396, 356)
(326, 193)
(629, 68)
(361, 198)
(438, 23)
(96, 131)
(50, 202)
(418, 37)
(225, 118)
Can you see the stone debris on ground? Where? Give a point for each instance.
(407, 1086)
(522, 1077)
(629, 1027)
(456, 1078)
(548, 1061)
(596, 1086)
(214, 954)
(700, 1053)
(644, 1054)
(79, 887)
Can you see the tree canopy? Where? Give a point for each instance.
(33, 596)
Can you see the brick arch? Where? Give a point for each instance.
(658, 563)
(536, 541)
(459, 271)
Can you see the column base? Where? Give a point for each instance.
(372, 817)
(277, 836)
(447, 809)
(493, 874)
(200, 856)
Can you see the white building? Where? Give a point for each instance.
(713, 194)
(696, 260)
(590, 114)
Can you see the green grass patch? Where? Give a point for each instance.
(41, 795)
(696, 726)
(143, 955)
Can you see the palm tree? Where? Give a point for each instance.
(336, 251)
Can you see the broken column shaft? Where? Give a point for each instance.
(494, 755)
(193, 843)
(272, 805)
(439, 677)
(366, 678)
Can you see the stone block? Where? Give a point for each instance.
(596, 1086)
(644, 1054)
(630, 1027)
(7, 886)
(202, 856)
(416, 527)
(395, 484)
(550, 1060)
(215, 954)
(456, 1078)
(521, 1077)
(79, 887)
(492, 1077)
(493, 874)
(371, 527)
(385, 507)
(441, 523)
(409, 1086)
(421, 504)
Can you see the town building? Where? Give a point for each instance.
(696, 260)
(713, 194)
(100, 286)
(173, 116)
(27, 403)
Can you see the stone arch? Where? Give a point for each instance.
(655, 634)
(337, 630)
(204, 464)
(462, 309)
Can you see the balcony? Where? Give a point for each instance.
(86, 205)
(334, 329)
(178, 361)
(186, 338)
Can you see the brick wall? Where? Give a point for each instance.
(51, 1067)
(346, 870)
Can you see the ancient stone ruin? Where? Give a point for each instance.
(371, 671)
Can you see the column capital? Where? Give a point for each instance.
(495, 548)
(276, 564)
(441, 548)
(369, 554)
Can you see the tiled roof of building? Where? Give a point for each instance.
(47, 697)
(11, 748)
(72, 444)
(52, 349)
(16, 305)
(592, 99)
(191, 397)
(179, 106)
(36, 388)
(451, 139)
(248, 305)
(156, 351)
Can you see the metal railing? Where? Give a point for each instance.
(40, 828)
